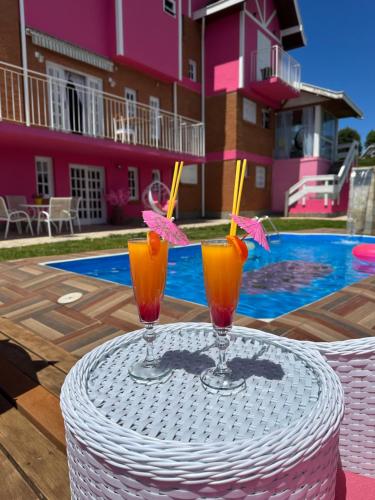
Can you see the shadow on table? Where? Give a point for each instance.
(196, 362)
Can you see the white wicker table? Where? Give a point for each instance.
(277, 439)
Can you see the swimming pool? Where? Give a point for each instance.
(300, 269)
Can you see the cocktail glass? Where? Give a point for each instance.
(148, 267)
(222, 269)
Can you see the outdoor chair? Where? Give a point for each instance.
(59, 211)
(354, 363)
(124, 129)
(74, 211)
(13, 217)
(14, 202)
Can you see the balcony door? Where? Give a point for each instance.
(264, 70)
(155, 120)
(88, 183)
(75, 101)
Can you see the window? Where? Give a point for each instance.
(328, 135)
(131, 99)
(155, 118)
(170, 7)
(133, 183)
(260, 177)
(249, 111)
(266, 118)
(189, 174)
(192, 73)
(295, 133)
(44, 176)
(155, 175)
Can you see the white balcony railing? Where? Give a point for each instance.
(275, 62)
(325, 186)
(73, 108)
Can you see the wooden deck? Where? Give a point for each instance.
(41, 340)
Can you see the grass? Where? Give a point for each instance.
(120, 241)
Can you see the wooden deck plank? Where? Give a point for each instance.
(13, 485)
(39, 460)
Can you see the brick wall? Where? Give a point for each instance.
(10, 45)
(189, 198)
(191, 48)
(221, 122)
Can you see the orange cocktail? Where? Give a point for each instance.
(223, 261)
(148, 267)
(148, 271)
(222, 269)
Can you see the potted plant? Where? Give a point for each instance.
(117, 200)
(38, 199)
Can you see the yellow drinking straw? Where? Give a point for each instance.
(237, 192)
(178, 166)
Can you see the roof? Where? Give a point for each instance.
(336, 101)
(288, 13)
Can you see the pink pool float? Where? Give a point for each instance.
(365, 252)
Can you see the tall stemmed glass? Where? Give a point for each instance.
(148, 267)
(222, 269)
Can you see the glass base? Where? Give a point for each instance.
(216, 382)
(149, 373)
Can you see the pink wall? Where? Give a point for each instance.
(87, 23)
(222, 51)
(287, 172)
(151, 35)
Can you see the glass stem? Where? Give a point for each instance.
(149, 337)
(222, 344)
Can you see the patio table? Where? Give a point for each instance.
(35, 208)
(276, 439)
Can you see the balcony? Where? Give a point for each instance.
(275, 74)
(59, 105)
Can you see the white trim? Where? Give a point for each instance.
(189, 8)
(260, 13)
(119, 28)
(24, 61)
(69, 50)
(263, 26)
(136, 183)
(203, 114)
(291, 31)
(215, 7)
(317, 128)
(241, 58)
(180, 55)
(269, 20)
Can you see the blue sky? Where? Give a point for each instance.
(340, 52)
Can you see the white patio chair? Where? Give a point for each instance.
(123, 129)
(13, 217)
(59, 211)
(14, 202)
(74, 211)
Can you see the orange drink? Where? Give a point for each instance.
(148, 267)
(222, 269)
(148, 271)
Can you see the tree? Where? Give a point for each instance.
(370, 138)
(348, 135)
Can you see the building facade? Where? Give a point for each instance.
(97, 96)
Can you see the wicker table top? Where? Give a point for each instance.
(292, 399)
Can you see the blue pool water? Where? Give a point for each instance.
(300, 269)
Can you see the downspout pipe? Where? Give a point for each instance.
(203, 117)
(24, 61)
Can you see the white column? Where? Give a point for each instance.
(180, 61)
(241, 56)
(119, 28)
(317, 130)
(24, 62)
(203, 115)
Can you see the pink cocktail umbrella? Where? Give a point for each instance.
(254, 228)
(165, 228)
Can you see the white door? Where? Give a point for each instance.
(155, 120)
(263, 56)
(56, 96)
(131, 99)
(95, 116)
(88, 183)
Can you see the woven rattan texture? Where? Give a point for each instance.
(281, 388)
(109, 460)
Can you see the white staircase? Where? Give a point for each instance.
(323, 186)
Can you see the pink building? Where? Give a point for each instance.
(99, 96)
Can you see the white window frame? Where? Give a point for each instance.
(154, 103)
(192, 70)
(265, 112)
(155, 175)
(133, 190)
(131, 106)
(170, 10)
(189, 174)
(260, 177)
(249, 111)
(50, 182)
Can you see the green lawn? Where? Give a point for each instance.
(120, 241)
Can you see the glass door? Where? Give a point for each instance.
(88, 184)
